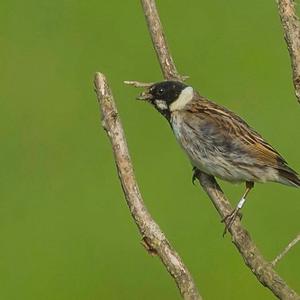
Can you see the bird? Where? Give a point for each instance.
(217, 141)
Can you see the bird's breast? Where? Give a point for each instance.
(211, 152)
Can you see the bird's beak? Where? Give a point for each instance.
(146, 96)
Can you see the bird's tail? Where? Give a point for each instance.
(289, 177)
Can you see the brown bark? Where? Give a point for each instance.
(291, 28)
(154, 239)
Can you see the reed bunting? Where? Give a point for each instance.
(217, 141)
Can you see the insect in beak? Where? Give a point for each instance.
(146, 96)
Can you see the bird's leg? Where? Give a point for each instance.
(229, 219)
(195, 174)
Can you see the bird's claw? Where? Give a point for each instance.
(230, 218)
(195, 174)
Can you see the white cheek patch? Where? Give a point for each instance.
(184, 98)
(161, 104)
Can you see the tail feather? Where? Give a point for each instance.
(289, 177)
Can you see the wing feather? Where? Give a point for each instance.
(237, 130)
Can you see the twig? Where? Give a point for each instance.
(240, 237)
(286, 250)
(153, 238)
(138, 84)
(291, 28)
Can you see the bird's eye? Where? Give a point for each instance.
(160, 91)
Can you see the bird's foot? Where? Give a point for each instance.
(196, 172)
(230, 218)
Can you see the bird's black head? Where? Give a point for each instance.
(163, 94)
(167, 91)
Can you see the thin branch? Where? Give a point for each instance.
(159, 41)
(240, 237)
(286, 250)
(291, 28)
(153, 237)
(138, 84)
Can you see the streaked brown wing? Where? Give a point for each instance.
(238, 130)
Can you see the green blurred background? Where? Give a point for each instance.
(65, 230)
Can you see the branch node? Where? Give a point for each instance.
(147, 245)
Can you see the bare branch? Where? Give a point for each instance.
(241, 238)
(153, 238)
(254, 260)
(286, 250)
(159, 42)
(291, 28)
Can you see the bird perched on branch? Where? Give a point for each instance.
(217, 141)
